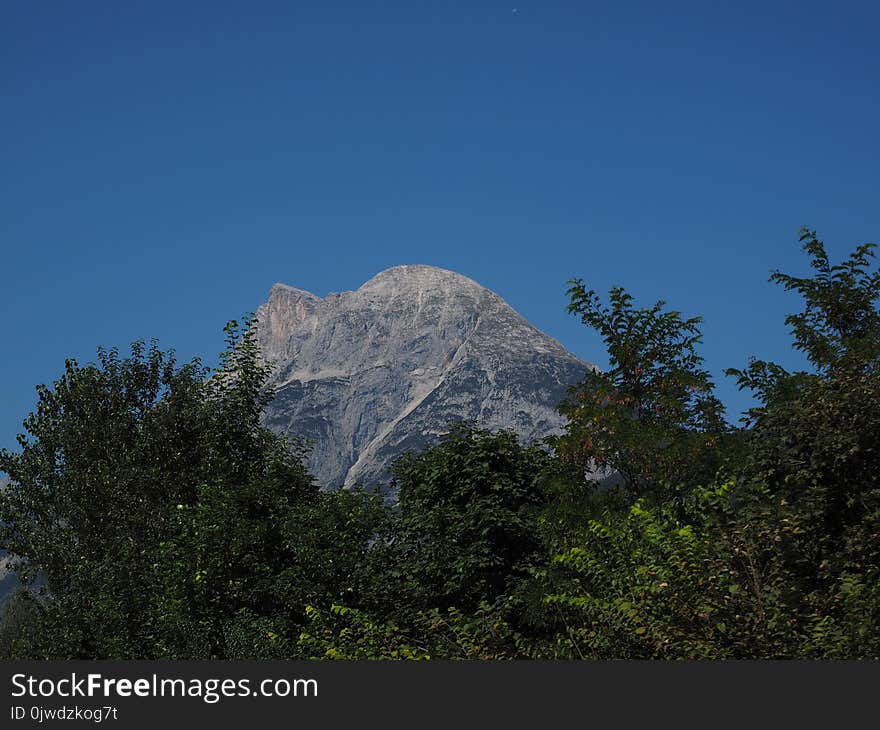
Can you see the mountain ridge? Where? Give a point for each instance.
(365, 375)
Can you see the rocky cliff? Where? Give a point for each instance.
(367, 375)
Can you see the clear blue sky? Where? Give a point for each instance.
(162, 164)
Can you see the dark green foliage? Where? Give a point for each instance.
(345, 633)
(245, 563)
(109, 447)
(653, 414)
(446, 571)
(468, 515)
(779, 557)
(19, 625)
(166, 522)
(839, 329)
(814, 451)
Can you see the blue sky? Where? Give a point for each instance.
(163, 164)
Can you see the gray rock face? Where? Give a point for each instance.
(368, 375)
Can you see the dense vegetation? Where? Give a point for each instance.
(164, 521)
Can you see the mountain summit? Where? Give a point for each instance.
(370, 374)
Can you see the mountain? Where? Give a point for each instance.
(370, 374)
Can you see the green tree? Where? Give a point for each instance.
(813, 451)
(779, 557)
(652, 417)
(468, 510)
(166, 520)
(108, 447)
(442, 575)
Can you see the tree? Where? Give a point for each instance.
(166, 520)
(108, 447)
(652, 417)
(468, 515)
(813, 450)
(780, 556)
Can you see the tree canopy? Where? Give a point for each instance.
(150, 514)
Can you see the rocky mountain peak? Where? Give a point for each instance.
(369, 374)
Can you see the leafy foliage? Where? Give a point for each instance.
(153, 516)
(467, 515)
(167, 522)
(653, 414)
(839, 329)
(779, 557)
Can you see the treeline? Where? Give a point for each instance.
(167, 523)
